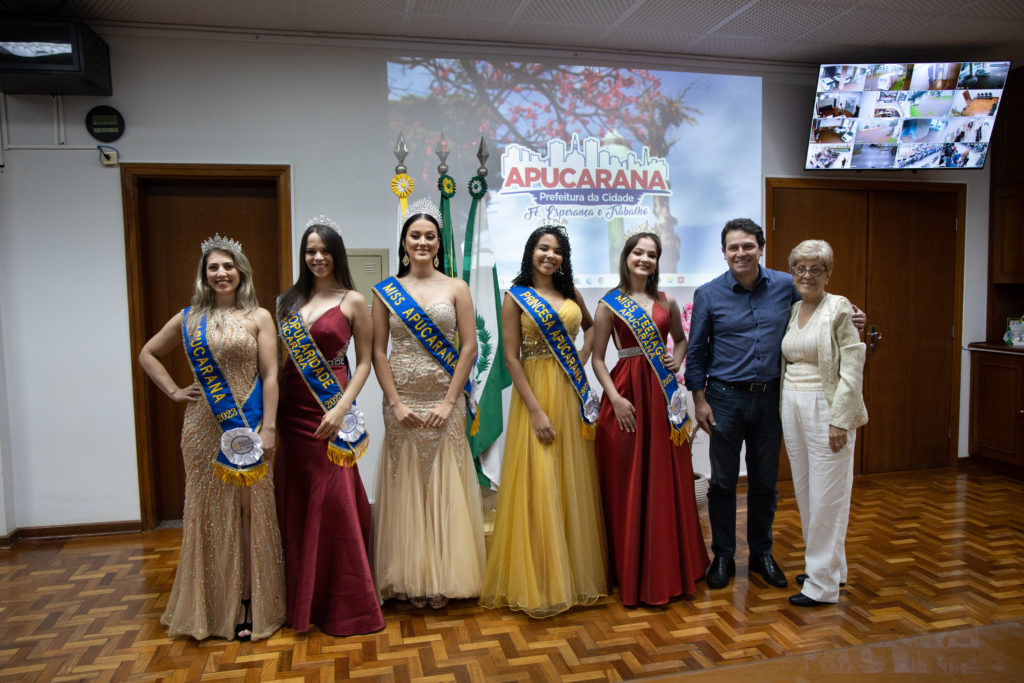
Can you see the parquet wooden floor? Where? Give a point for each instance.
(928, 552)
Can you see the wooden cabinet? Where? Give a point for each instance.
(1007, 234)
(997, 404)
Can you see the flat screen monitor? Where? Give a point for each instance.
(904, 115)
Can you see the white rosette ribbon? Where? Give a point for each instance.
(591, 406)
(472, 399)
(677, 407)
(353, 425)
(241, 446)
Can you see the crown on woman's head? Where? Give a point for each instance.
(642, 227)
(218, 242)
(423, 205)
(324, 220)
(558, 223)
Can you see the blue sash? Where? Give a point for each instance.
(564, 350)
(351, 442)
(649, 339)
(237, 423)
(427, 332)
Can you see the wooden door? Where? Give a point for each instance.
(898, 256)
(837, 216)
(911, 297)
(169, 211)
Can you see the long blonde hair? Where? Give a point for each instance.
(204, 299)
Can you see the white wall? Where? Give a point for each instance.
(67, 442)
(787, 107)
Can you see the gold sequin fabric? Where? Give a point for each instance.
(428, 520)
(532, 344)
(206, 597)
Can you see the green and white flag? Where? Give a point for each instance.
(490, 376)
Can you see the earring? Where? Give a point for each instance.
(436, 262)
(405, 259)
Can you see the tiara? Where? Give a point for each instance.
(642, 227)
(423, 205)
(558, 223)
(324, 220)
(218, 242)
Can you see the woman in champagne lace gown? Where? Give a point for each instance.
(429, 542)
(230, 577)
(548, 550)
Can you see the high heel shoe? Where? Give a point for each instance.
(243, 631)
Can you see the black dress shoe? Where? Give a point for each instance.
(800, 578)
(719, 572)
(801, 600)
(769, 571)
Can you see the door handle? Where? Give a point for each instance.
(874, 336)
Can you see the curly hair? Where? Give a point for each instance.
(562, 278)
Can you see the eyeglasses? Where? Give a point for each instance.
(813, 271)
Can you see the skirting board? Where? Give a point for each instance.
(68, 531)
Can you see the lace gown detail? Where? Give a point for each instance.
(548, 549)
(429, 524)
(206, 597)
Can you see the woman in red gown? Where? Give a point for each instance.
(322, 507)
(654, 535)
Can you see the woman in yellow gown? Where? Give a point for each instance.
(548, 549)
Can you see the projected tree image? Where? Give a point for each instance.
(530, 104)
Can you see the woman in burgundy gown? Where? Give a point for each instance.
(322, 506)
(654, 535)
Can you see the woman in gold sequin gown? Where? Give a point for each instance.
(230, 577)
(429, 541)
(548, 551)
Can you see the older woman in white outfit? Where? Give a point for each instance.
(822, 406)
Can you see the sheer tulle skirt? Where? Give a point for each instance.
(548, 549)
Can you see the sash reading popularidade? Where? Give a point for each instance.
(428, 333)
(351, 441)
(629, 311)
(553, 330)
(240, 458)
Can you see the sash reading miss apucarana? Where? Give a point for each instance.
(350, 443)
(240, 458)
(428, 333)
(649, 339)
(564, 350)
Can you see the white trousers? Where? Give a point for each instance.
(822, 482)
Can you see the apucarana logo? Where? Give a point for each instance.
(583, 179)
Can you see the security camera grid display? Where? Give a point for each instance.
(896, 116)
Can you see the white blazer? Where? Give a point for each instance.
(840, 361)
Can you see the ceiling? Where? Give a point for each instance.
(795, 31)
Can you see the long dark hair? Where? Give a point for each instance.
(651, 286)
(298, 294)
(562, 278)
(403, 268)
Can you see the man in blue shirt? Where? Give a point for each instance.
(733, 364)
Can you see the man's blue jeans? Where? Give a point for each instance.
(751, 417)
